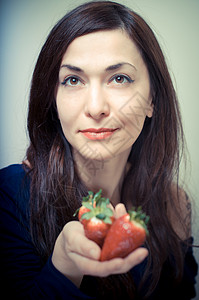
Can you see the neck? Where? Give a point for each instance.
(106, 175)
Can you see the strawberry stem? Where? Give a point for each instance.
(140, 217)
(101, 216)
(97, 206)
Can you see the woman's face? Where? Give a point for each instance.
(103, 94)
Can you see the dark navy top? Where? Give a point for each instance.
(25, 276)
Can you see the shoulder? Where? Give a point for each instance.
(11, 170)
(179, 212)
(12, 178)
(14, 186)
(11, 175)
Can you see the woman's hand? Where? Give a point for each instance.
(75, 255)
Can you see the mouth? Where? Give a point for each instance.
(98, 134)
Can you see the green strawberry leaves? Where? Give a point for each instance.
(87, 205)
(140, 217)
(97, 206)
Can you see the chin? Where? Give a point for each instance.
(101, 152)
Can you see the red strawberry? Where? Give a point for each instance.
(82, 211)
(96, 229)
(95, 216)
(125, 235)
(88, 199)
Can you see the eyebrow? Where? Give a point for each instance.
(119, 65)
(109, 68)
(72, 68)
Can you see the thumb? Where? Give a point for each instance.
(120, 210)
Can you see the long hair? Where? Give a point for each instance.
(56, 189)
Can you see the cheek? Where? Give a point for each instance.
(63, 115)
(67, 110)
(66, 114)
(134, 112)
(67, 121)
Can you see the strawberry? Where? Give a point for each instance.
(88, 199)
(125, 235)
(82, 210)
(96, 229)
(96, 216)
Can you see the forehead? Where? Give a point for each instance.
(102, 47)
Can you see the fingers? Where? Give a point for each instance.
(75, 255)
(85, 254)
(120, 210)
(71, 250)
(133, 259)
(114, 266)
(77, 242)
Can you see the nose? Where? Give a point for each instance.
(96, 102)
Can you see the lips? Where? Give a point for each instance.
(98, 133)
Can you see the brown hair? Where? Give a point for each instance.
(56, 189)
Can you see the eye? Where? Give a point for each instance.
(121, 79)
(71, 81)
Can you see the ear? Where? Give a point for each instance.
(150, 109)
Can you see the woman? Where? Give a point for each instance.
(102, 114)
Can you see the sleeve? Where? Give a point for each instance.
(23, 274)
(51, 284)
(185, 290)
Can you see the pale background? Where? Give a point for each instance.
(24, 25)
